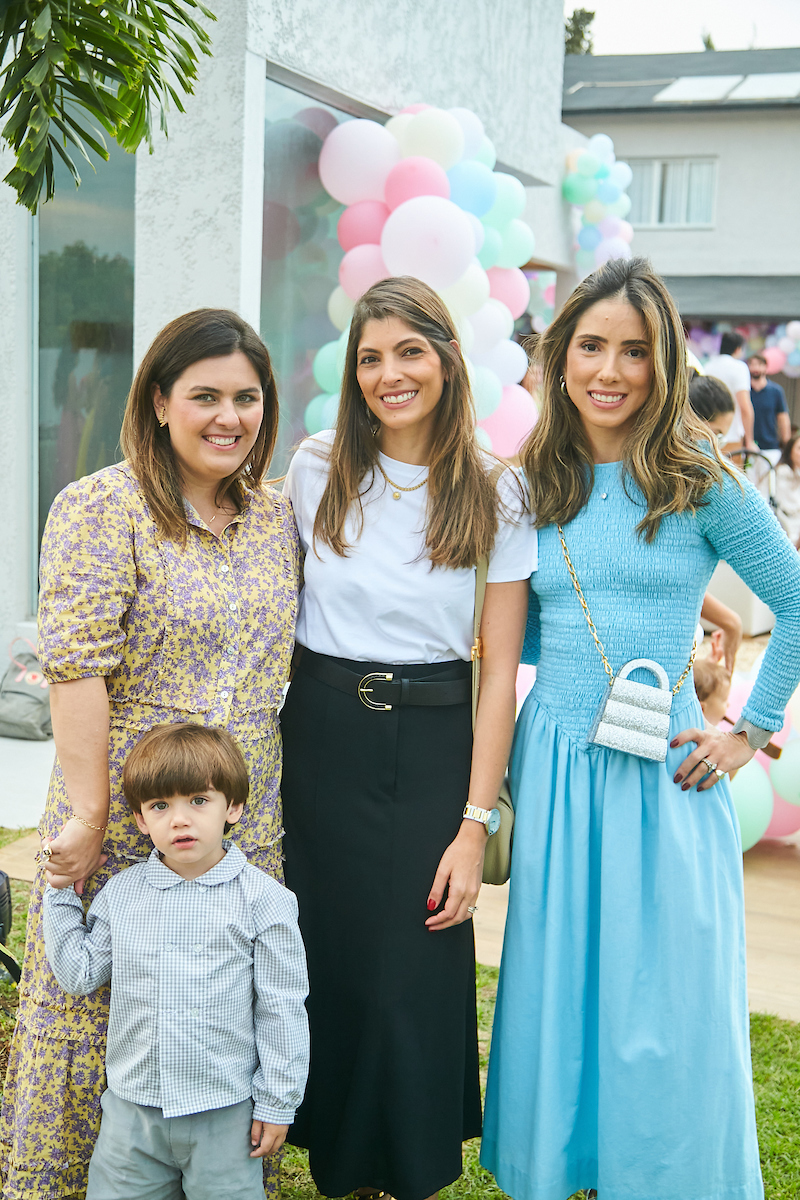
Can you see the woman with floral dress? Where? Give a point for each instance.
(168, 593)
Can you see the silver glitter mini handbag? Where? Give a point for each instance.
(634, 717)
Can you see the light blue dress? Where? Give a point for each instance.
(620, 1055)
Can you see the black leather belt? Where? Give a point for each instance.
(379, 690)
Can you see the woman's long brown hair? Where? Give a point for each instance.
(462, 503)
(669, 454)
(204, 333)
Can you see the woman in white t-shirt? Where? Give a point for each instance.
(394, 510)
(787, 489)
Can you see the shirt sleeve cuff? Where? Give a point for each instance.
(264, 1111)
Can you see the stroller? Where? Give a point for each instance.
(766, 475)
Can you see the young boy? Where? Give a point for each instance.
(207, 1036)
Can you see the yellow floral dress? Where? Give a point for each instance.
(197, 633)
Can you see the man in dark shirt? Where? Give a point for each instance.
(772, 426)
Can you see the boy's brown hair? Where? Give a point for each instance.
(709, 677)
(182, 760)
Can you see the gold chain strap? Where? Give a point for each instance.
(606, 664)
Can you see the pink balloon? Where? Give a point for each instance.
(776, 359)
(609, 227)
(413, 109)
(785, 818)
(415, 176)
(509, 285)
(361, 223)
(625, 231)
(360, 268)
(511, 422)
(549, 294)
(355, 159)
(428, 237)
(615, 247)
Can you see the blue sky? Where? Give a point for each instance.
(676, 26)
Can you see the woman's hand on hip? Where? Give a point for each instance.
(460, 872)
(721, 751)
(74, 855)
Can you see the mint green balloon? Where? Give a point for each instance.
(619, 207)
(578, 189)
(312, 417)
(585, 262)
(509, 202)
(486, 153)
(492, 244)
(341, 354)
(330, 411)
(785, 773)
(752, 799)
(588, 164)
(326, 368)
(518, 244)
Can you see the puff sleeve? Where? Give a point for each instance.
(87, 580)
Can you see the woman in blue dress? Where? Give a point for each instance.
(620, 1056)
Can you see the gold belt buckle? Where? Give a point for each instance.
(364, 691)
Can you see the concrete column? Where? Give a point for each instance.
(199, 196)
(17, 414)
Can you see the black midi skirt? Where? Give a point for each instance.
(371, 800)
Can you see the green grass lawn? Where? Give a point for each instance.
(776, 1074)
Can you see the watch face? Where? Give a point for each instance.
(493, 824)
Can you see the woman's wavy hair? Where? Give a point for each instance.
(204, 333)
(668, 454)
(462, 503)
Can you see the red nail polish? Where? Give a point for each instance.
(677, 779)
(431, 904)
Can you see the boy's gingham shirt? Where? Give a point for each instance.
(209, 980)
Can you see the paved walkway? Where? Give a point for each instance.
(772, 909)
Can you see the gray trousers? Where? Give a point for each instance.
(143, 1155)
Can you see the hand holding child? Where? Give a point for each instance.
(266, 1138)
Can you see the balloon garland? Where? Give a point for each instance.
(422, 198)
(596, 186)
(779, 344)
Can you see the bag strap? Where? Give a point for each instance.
(600, 648)
(16, 661)
(481, 576)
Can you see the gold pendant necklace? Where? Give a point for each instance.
(396, 486)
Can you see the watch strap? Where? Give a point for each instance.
(473, 813)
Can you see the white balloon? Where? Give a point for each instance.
(430, 238)
(464, 330)
(433, 133)
(340, 308)
(602, 146)
(470, 292)
(479, 229)
(483, 439)
(492, 323)
(793, 330)
(621, 175)
(786, 344)
(507, 360)
(472, 128)
(396, 125)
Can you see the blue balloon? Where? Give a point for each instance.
(589, 237)
(794, 358)
(473, 186)
(607, 192)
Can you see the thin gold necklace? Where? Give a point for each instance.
(396, 486)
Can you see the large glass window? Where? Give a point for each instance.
(301, 255)
(673, 191)
(85, 321)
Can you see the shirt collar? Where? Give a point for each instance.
(161, 877)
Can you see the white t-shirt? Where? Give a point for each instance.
(384, 602)
(735, 374)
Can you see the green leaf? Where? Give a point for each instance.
(43, 23)
(70, 165)
(38, 73)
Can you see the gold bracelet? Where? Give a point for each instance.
(88, 824)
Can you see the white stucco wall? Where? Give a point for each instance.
(502, 59)
(758, 185)
(199, 196)
(16, 416)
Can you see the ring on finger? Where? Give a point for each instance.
(46, 853)
(708, 765)
(719, 774)
(472, 909)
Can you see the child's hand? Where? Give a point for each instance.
(266, 1138)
